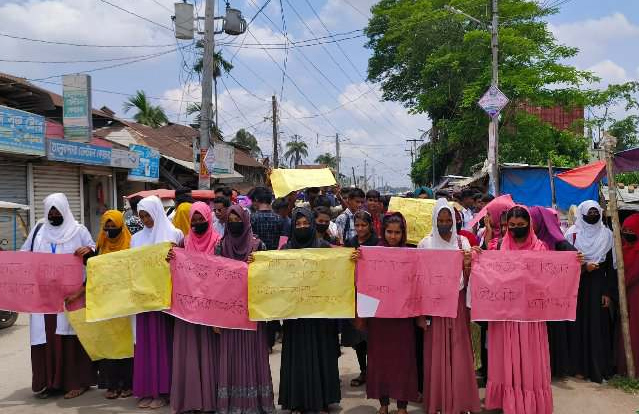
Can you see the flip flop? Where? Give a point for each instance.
(75, 393)
(43, 394)
(158, 403)
(111, 394)
(126, 393)
(359, 381)
(145, 403)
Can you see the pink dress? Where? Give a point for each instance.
(519, 358)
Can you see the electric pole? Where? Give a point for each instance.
(365, 178)
(413, 151)
(493, 132)
(337, 154)
(204, 181)
(275, 149)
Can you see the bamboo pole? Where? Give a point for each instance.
(610, 143)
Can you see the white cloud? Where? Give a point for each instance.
(609, 72)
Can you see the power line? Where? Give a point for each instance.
(162, 5)
(285, 50)
(137, 15)
(355, 8)
(51, 42)
(76, 61)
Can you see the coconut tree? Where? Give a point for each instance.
(296, 151)
(148, 114)
(245, 139)
(327, 159)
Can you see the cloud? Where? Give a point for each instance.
(609, 72)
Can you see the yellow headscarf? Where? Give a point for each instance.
(182, 219)
(123, 241)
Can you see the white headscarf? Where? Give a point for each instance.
(593, 240)
(162, 230)
(69, 227)
(435, 241)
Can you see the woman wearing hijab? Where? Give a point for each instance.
(392, 368)
(548, 230)
(58, 360)
(182, 218)
(449, 372)
(591, 333)
(518, 357)
(116, 375)
(629, 233)
(195, 347)
(154, 330)
(351, 336)
(309, 375)
(244, 382)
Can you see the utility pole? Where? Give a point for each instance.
(275, 149)
(204, 181)
(413, 151)
(354, 178)
(365, 177)
(493, 138)
(337, 154)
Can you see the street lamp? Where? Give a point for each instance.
(493, 128)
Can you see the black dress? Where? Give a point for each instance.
(591, 334)
(309, 373)
(558, 335)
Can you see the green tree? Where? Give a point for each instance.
(327, 159)
(245, 139)
(195, 108)
(296, 151)
(148, 114)
(625, 130)
(439, 63)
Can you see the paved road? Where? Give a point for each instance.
(571, 397)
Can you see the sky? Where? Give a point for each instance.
(323, 91)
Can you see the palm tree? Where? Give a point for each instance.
(148, 114)
(327, 159)
(220, 65)
(245, 139)
(196, 108)
(296, 151)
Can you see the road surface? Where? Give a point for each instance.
(571, 397)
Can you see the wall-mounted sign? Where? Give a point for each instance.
(148, 169)
(21, 132)
(76, 94)
(78, 153)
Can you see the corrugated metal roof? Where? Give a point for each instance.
(623, 195)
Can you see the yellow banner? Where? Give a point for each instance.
(128, 282)
(285, 181)
(306, 283)
(418, 214)
(111, 339)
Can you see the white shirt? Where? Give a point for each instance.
(467, 217)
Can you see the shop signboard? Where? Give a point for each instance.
(78, 153)
(21, 132)
(148, 169)
(76, 94)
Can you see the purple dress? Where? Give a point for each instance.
(153, 355)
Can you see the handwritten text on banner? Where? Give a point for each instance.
(38, 282)
(403, 283)
(524, 286)
(210, 290)
(285, 181)
(128, 282)
(306, 283)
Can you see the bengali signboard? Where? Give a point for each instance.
(124, 159)
(493, 101)
(21, 132)
(76, 113)
(148, 169)
(78, 153)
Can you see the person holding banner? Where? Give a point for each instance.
(449, 375)
(196, 347)
(154, 330)
(244, 373)
(591, 333)
(629, 233)
(58, 360)
(116, 375)
(181, 218)
(518, 357)
(309, 374)
(351, 336)
(392, 368)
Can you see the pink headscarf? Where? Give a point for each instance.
(495, 208)
(531, 242)
(204, 243)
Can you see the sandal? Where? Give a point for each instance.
(43, 394)
(145, 402)
(126, 393)
(75, 393)
(158, 403)
(111, 394)
(359, 381)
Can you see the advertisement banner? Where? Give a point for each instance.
(148, 169)
(21, 132)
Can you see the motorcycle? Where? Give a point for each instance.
(7, 319)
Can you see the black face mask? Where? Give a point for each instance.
(236, 228)
(458, 226)
(56, 220)
(113, 233)
(303, 234)
(444, 229)
(200, 228)
(629, 237)
(519, 232)
(321, 228)
(592, 219)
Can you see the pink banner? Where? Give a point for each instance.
(38, 282)
(524, 286)
(283, 240)
(403, 283)
(210, 290)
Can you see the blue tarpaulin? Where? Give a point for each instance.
(531, 186)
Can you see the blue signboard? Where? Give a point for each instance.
(75, 152)
(149, 168)
(21, 132)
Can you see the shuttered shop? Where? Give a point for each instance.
(13, 188)
(57, 178)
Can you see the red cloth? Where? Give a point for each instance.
(631, 266)
(584, 176)
(377, 224)
(472, 239)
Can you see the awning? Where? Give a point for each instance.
(584, 176)
(234, 177)
(170, 194)
(12, 206)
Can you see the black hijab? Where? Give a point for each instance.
(313, 241)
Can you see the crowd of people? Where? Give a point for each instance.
(428, 359)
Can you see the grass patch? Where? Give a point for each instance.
(629, 385)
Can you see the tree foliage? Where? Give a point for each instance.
(327, 159)
(147, 113)
(245, 139)
(296, 151)
(439, 63)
